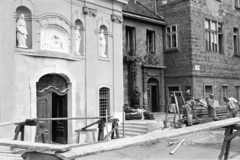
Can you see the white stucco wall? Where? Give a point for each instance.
(20, 69)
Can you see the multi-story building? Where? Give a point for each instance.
(143, 32)
(60, 58)
(202, 46)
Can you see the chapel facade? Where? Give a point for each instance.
(60, 58)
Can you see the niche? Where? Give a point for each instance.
(103, 42)
(21, 43)
(78, 38)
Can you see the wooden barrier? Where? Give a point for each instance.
(68, 152)
(32, 146)
(151, 137)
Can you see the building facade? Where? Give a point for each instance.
(60, 58)
(143, 32)
(202, 47)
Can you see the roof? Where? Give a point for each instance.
(139, 9)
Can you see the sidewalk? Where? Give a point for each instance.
(150, 138)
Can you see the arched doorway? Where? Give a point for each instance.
(153, 94)
(52, 91)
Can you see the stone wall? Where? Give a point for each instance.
(191, 58)
(141, 50)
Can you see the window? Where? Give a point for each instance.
(150, 41)
(235, 41)
(104, 101)
(237, 3)
(171, 37)
(238, 93)
(208, 91)
(130, 40)
(224, 93)
(213, 36)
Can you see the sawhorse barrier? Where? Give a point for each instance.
(229, 135)
(101, 125)
(41, 129)
(71, 152)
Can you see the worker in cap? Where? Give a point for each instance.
(211, 108)
(232, 106)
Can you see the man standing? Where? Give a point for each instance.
(211, 109)
(187, 111)
(233, 107)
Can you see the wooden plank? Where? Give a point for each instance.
(31, 146)
(11, 123)
(151, 137)
(70, 118)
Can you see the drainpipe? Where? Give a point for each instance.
(155, 6)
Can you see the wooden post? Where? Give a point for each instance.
(226, 144)
(175, 149)
(107, 123)
(123, 122)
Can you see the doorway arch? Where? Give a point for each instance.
(71, 102)
(153, 94)
(52, 91)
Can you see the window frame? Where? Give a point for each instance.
(237, 89)
(170, 34)
(222, 92)
(130, 44)
(213, 38)
(236, 44)
(107, 100)
(205, 95)
(237, 4)
(151, 48)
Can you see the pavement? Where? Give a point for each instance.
(153, 138)
(157, 136)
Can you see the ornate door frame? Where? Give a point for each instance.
(71, 81)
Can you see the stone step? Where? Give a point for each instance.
(144, 128)
(129, 134)
(134, 130)
(134, 123)
(5, 156)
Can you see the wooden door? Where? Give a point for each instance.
(152, 91)
(154, 98)
(59, 109)
(44, 110)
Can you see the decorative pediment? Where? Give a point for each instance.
(89, 11)
(57, 20)
(132, 59)
(54, 38)
(116, 19)
(150, 59)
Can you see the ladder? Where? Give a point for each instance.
(177, 111)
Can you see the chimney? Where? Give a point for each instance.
(135, 1)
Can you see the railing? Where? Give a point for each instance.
(41, 126)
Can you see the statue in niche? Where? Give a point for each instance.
(77, 40)
(56, 43)
(137, 96)
(102, 44)
(21, 32)
(134, 70)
